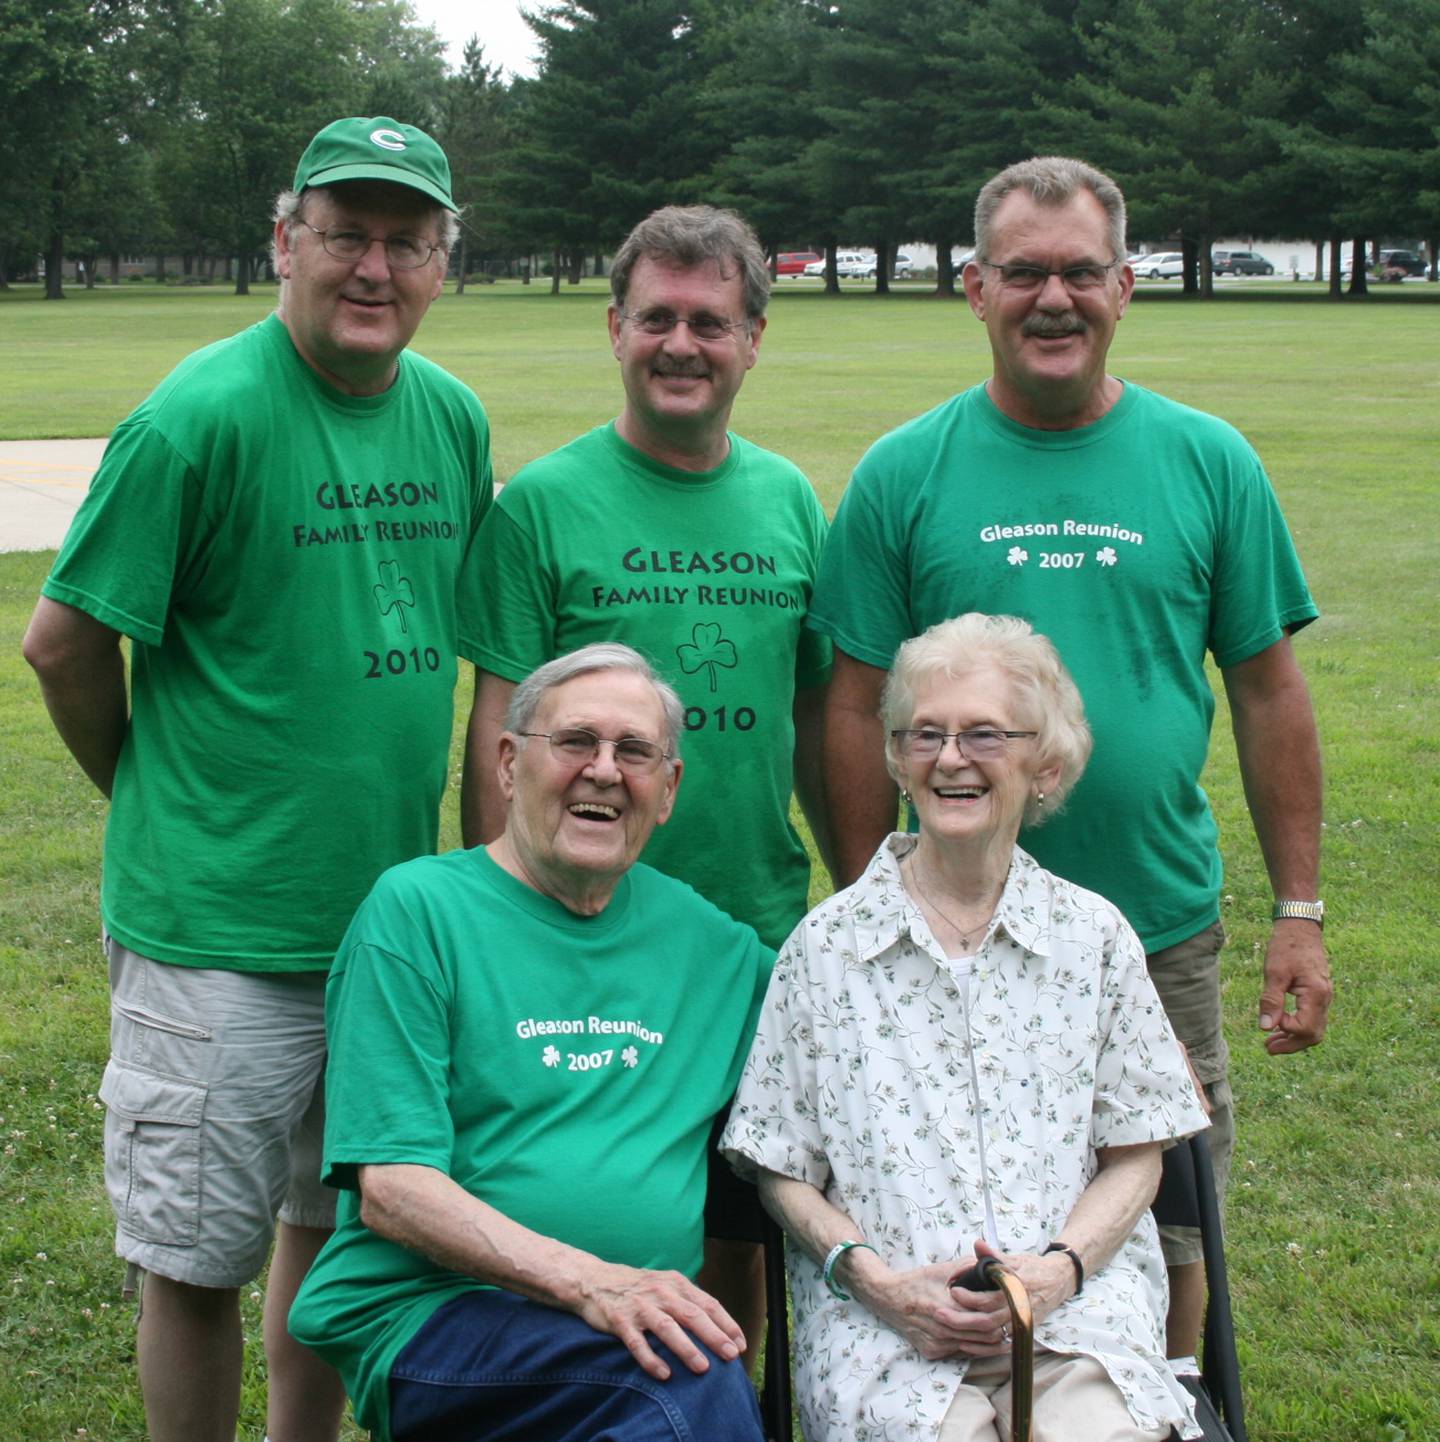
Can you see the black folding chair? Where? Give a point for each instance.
(733, 1213)
(1187, 1199)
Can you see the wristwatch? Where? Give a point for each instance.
(1300, 911)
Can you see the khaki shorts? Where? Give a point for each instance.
(1187, 976)
(214, 1124)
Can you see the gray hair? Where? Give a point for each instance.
(289, 204)
(1046, 699)
(599, 656)
(1050, 180)
(690, 235)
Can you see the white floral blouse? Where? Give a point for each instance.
(860, 1083)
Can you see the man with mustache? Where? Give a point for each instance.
(666, 531)
(1137, 534)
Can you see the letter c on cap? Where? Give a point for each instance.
(388, 139)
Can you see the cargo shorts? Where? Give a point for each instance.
(214, 1126)
(1187, 976)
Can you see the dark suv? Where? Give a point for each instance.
(1239, 262)
(1410, 261)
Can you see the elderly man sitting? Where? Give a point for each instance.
(527, 1044)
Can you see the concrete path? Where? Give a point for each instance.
(41, 486)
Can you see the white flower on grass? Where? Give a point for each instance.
(1017, 555)
(550, 1056)
(1106, 555)
(630, 1056)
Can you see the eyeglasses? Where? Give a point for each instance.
(702, 327)
(402, 252)
(925, 744)
(1033, 277)
(576, 746)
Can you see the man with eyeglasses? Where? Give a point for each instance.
(528, 1042)
(282, 530)
(667, 531)
(1137, 534)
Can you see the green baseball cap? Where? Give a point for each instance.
(376, 149)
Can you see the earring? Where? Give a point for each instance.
(905, 796)
(1039, 798)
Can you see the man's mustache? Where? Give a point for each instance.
(1053, 325)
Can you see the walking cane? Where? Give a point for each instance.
(990, 1275)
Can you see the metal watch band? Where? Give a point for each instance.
(1299, 911)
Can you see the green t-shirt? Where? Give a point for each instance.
(1135, 544)
(563, 1069)
(287, 560)
(709, 576)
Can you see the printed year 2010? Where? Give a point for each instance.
(397, 662)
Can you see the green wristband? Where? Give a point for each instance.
(828, 1273)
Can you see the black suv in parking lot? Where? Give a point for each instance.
(1410, 261)
(1239, 262)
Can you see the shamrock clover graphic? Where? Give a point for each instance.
(550, 1056)
(393, 592)
(630, 1056)
(1017, 556)
(706, 648)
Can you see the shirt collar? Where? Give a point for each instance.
(882, 910)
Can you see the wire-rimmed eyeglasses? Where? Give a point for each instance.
(925, 743)
(402, 252)
(576, 746)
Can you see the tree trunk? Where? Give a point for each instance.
(944, 267)
(242, 273)
(4, 266)
(883, 251)
(577, 267)
(555, 273)
(89, 262)
(1357, 269)
(187, 264)
(54, 259)
(160, 268)
(460, 267)
(114, 267)
(1207, 274)
(1189, 263)
(1431, 246)
(832, 280)
(1319, 260)
(1334, 267)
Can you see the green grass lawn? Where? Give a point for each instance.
(1334, 1215)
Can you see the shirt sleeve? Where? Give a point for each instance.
(775, 1122)
(126, 552)
(862, 596)
(473, 583)
(1259, 593)
(387, 1022)
(814, 653)
(516, 632)
(1143, 1091)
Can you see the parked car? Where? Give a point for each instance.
(903, 267)
(1239, 262)
(1409, 261)
(793, 262)
(846, 262)
(1165, 265)
(853, 265)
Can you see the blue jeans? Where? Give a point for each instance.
(492, 1366)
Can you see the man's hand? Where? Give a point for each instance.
(1295, 965)
(628, 1302)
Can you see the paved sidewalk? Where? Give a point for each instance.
(41, 486)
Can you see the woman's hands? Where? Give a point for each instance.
(936, 1319)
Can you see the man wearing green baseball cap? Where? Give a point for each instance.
(283, 531)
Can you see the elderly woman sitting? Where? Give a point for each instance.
(962, 1056)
